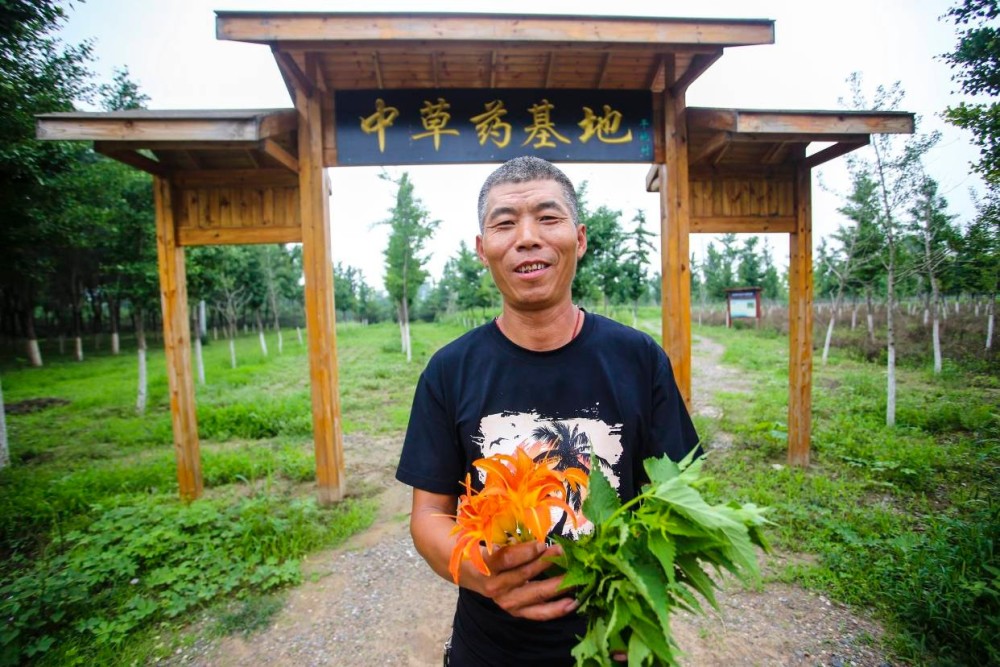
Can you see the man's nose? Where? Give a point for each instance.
(527, 234)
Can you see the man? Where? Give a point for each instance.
(546, 377)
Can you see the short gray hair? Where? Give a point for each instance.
(525, 169)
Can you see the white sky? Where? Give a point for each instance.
(171, 51)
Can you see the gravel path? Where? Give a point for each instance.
(375, 603)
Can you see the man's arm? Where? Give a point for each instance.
(512, 568)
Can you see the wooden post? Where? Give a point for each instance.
(800, 301)
(674, 231)
(317, 264)
(177, 342)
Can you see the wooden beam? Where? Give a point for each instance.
(653, 178)
(434, 69)
(264, 178)
(717, 142)
(195, 236)
(177, 342)
(749, 224)
(674, 228)
(253, 159)
(773, 154)
(291, 69)
(805, 123)
(603, 71)
(132, 159)
(146, 131)
(317, 264)
(493, 68)
(180, 145)
(377, 65)
(699, 64)
(657, 75)
(276, 151)
(266, 27)
(833, 152)
(800, 298)
(550, 69)
(328, 111)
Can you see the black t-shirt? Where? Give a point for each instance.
(609, 392)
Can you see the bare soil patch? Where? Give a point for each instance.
(374, 602)
(30, 405)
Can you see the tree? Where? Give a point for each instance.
(410, 227)
(932, 227)
(750, 272)
(39, 75)
(975, 64)
(634, 279)
(980, 252)
(892, 168)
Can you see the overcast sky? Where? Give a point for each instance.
(171, 51)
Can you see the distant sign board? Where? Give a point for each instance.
(426, 126)
(743, 304)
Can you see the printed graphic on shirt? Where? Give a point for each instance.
(569, 441)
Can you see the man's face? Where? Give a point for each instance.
(530, 244)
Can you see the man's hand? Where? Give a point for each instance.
(512, 585)
(512, 568)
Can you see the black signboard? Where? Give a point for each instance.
(492, 125)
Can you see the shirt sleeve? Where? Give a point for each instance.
(432, 458)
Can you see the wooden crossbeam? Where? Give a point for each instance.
(604, 70)
(275, 150)
(717, 142)
(699, 64)
(493, 68)
(749, 224)
(292, 70)
(377, 64)
(550, 68)
(132, 158)
(773, 153)
(832, 152)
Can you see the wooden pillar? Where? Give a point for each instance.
(317, 264)
(177, 342)
(675, 254)
(800, 301)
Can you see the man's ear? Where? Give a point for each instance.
(479, 250)
(581, 241)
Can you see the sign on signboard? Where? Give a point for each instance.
(489, 125)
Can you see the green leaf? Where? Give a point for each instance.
(660, 470)
(602, 500)
(663, 548)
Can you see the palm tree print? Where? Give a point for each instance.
(569, 449)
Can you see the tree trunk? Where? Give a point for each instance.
(260, 332)
(829, 337)
(199, 357)
(870, 315)
(854, 316)
(34, 353)
(990, 312)
(4, 449)
(114, 318)
(140, 339)
(298, 334)
(232, 345)
(890, 335)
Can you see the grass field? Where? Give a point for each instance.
(101, 562)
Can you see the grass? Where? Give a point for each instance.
(101, 561)
(902, 520)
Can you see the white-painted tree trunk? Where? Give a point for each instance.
(215, 333)
(34, 353)
(281, 342)
(829, 337)
(4, 449)
(263, 341)
(140, 398)
(854, 317)
(298, 334)
(199, 360)
(116, 343)
(927, 316)
(936, 337)
(78, 348)
(990, 312)
(232, 352)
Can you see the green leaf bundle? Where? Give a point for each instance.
(648, 557)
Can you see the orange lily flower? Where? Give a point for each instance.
(514, 505)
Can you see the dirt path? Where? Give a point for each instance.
(375, 603)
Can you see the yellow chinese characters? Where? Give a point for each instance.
(542, 128)
(490, 124)
(434, 116)
(383, 117)
(605, 127)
